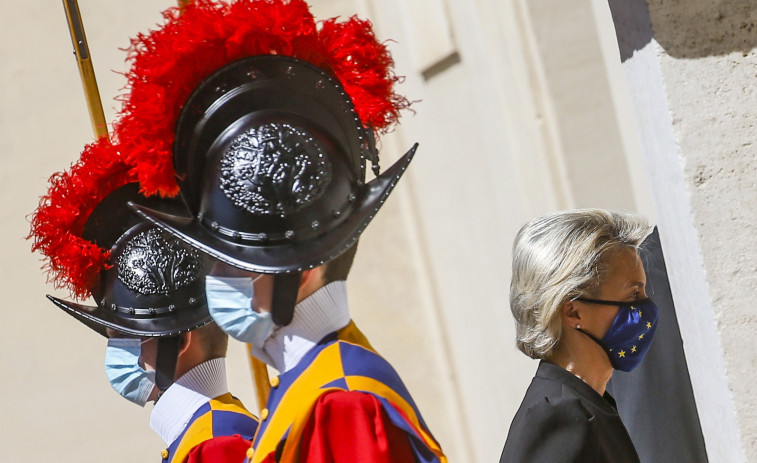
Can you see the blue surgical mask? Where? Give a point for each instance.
(631, 333)
(230, 305)
(124, 373)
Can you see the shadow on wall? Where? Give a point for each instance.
(685, 28)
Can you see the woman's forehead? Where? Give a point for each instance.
(624, 270)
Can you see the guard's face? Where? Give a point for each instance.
(262, 284)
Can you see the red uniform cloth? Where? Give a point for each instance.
(222, 449)
(351, 427)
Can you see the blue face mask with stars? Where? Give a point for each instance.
(631, 333)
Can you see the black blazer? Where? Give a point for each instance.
(562, 419)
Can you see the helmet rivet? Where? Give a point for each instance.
(351, 197)
(289, 234)
(315, 224)
(132, 311)
(192, 301)
(151, 311)
(253, 74)
(290, 71)
(263, 237)
(336, 213)
(214, 226)
(172, 307)
(113, 307)
(220, 89)
(236, 235)
(319, 85)
(200, 216)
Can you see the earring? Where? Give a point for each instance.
(578, 327)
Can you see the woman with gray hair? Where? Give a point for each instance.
(578, 297)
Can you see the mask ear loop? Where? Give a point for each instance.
(603, 302)
(594, 301)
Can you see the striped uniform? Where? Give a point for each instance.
(336, 365)
(216, 432)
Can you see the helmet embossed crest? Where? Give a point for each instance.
(274, 169)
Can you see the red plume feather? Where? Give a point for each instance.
(365, 69)
(56, 225)
(167, 64)
(195, 41)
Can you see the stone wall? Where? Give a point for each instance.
(691, 67)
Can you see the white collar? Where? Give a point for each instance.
(183, 398)
(320, 314)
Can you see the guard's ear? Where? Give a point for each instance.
(310, 282)
(184, 341)
(311, 276)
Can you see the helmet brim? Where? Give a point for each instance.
(288, 256)
(99, 320)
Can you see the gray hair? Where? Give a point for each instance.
(558, 257)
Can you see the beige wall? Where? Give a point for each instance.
(522, 108)
(60, 406)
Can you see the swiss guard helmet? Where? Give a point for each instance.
(145, 282)
(271, 141)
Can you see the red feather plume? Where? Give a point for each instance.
(169, 63)
(365, 68)
(56, 225)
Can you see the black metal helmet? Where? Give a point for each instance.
(272, 160)
(149, 284)
(153, 284)
(266, 118)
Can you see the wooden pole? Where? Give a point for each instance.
(86, 71)
(260, 380)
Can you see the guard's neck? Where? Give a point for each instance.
(315, 317)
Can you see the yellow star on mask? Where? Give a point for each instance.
(641, 336)
(622, 353)
(633, 308)
(633, 349)
(640, 315)
(649, 325)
